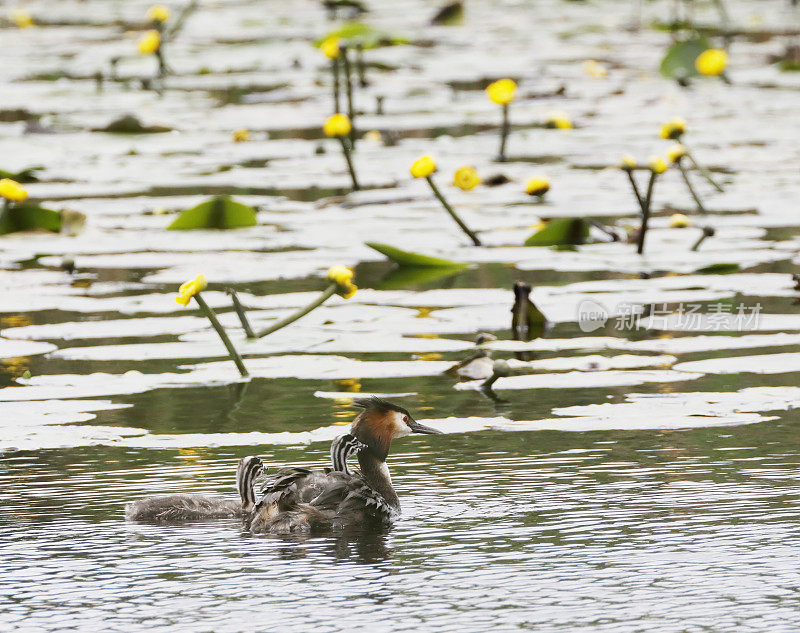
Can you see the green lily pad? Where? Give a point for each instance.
(678, 62)
(414, 260)
(560, 232)
(719, 269)
(218, 213)
(129, 124)
(450, 14)
(363, 34)
(26, 175)
(405, 277)
(27, 216)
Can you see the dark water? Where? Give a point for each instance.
(605, 531)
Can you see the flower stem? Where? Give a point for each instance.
(689, 186)
(635, 189)
(336, 89)
(327, 294)
(360, 69)
(348, 81)
(648, 199)
(237, 305)
(503, 135)
(452, 213)
(349, 159)
(222, 334)
(704, 172)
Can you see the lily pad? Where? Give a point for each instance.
(410, 259)
(218, 213)
(561, 232)
(27, 216)
(678, 62)
(363, 34)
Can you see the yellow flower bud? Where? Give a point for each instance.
(675, 152)
(502, 91)
(657, 164)
(678, 221)
(11, 190)
(21, 18)
(594, 69)
(537, 186)
(330, 47)
(190, 288)
(627, 162)
(337, 125)
(711, 62)
(559, 121)
(373, 136)
(342, 276)
(466, 178)
(158, 13)
(241, 136)
(150, 42)
(673, 129)
(423, 167)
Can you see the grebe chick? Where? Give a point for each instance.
(298, 500)
(191, 507)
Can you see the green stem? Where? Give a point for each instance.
(181, 20)
(162, 64)
(689, 186)
(348, 82)
(638, 195)
(360, 69)
(336, 89)
(237, 305)
(646, 212)
(222, 334)
(503, 135)
(704, 172)
(349, 159)
(327, 294)
(452, 213)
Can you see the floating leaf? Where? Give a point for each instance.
(26, 175)
(719, 269)
(678, 62)
(407, 258)
(560, 232)
(363, 34)
(449, 14)
(129, 124)
(218, 213)
(27, 216)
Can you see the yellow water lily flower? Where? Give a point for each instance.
(21, 18)
(342, 276)
(594, 69)
(559, 121)
(373, 136)
(537, 186)
(423, 167)
(158, 13)
(711, 62)
(190, 288)
(657, 164)
(678, 221)
(11, 190)
(673, 129)
(627, 162)
(331, 47)
(337, 125)
(675, 152)
(502, 91)
(466, 178)
(150, 42)
(241, 136)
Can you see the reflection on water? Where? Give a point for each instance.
(604, 531)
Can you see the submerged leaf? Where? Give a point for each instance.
(400, 278)
(560, 232)
(407, 258)
(218, 213)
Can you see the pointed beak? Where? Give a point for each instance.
(416, 427)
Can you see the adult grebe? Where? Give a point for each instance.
(301, 500)
(298, 500)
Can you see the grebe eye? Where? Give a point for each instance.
(405, 419)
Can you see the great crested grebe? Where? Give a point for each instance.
(298, 500)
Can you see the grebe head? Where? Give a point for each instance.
(380, 422)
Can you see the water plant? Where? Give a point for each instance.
(502, 92)
(192, 289)
(537, 187)
(712, 62)
(674, 130)
(218, 213)
(330, 47)
(466, 178)
(656, 166)
(152, 42)
(340, 127)
(676, 154)
(424, 167)
(558, 120)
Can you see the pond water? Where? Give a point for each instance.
(639, 472)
